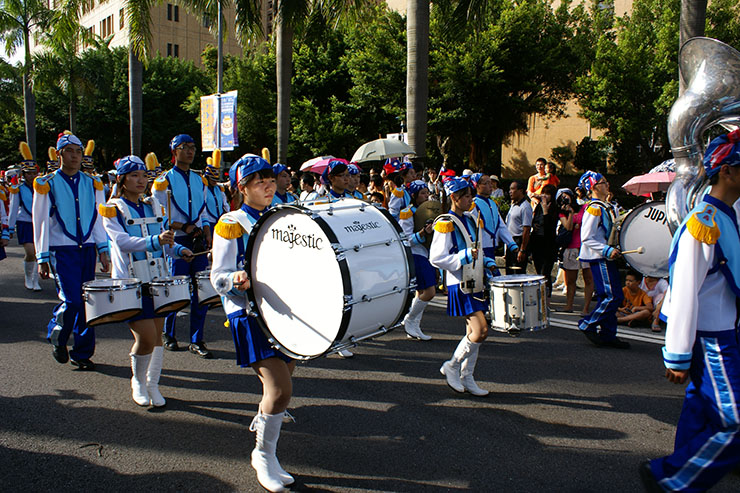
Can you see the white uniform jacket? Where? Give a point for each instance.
(416, 240)
(448, 249)
(595, 229)
(21, 204)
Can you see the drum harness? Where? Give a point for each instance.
(472, 273)
(616, 221)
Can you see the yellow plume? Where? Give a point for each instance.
(266, 154)
(26, 151)
(90, 148)
(217, 158)
(52, 154)
(67, 132)
(151, 161)
(209, 161)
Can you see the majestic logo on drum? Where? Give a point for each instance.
(290, 235)
(358, 227)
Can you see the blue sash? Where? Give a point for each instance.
(489, 213)
(214, 202)
(73, 205)
(26, 197)
(188, 196)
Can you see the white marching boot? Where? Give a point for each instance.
(28, 269)
(139, 366)
(451, 368)
(468, 367)
(270, 474)
(412, 320)
(152, 377)
(35, 279)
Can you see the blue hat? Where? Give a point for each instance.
(725, 149)
(455, 184)
(245, 166)
(67, 139)
(353, 169)
(278, 168)
(128, 164)
(589, 179)
(180, 139)
(416, 186)
(475, 178)
(330, 167)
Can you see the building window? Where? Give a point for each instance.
(169, 11)
(121, 19)
(106, 27)
(206, 21)
(169, 49)
(177, 13)
(177, 51)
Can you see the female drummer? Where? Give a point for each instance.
(134, 227)
(426, 276)
(354, 182)
(448, 252)
(253, 177)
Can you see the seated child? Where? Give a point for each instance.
(656, 288)
(637, 306)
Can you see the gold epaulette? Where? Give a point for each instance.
(397, 192)
(205, 180)
(14, 189)
(229, 228)
(594, 210)
(406, 213)
(472, 206)
(160, 184)
(703, 227)
(40, 184)
(107, 210)
(444, 226)
(97, 182)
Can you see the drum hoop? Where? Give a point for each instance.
(127, 283)
(625, 225)
(171, 281)
(204, 274)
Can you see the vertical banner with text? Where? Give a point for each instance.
(218, 122)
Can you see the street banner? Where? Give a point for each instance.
(218, 121)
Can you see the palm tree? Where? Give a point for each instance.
(417, 73)
(18, 18)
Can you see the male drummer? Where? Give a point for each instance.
(494, 228)
(596, 226)
(282, 182)
(702, 336)
(183, 192)
(67, 231)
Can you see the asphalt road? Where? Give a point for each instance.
(562, 415)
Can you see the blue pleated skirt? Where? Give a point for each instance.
(24, 232)
(460, 304)
(426, 275)
(250, 342)
(147, 308)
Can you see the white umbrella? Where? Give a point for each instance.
(380, 149)
(308, 164)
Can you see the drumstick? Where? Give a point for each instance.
(639, 250)
(169, 217)
(201, 253)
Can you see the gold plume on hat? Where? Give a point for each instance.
(67, 132)
(209, 161)
(266, 154)
(151, 161)
(52, 154)
(217, 158)
(25, 151)
(90, 147)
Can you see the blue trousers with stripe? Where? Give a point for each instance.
(708, 433)
(608, 296)
(73, 266)
(197, 313)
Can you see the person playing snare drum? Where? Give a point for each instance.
(254, 179)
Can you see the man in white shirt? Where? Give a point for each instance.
(519, 223)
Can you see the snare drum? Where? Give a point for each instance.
(207, 295)
(170, 294)
(518, 302)
(111, 300)
(356, 275)
(646, 226)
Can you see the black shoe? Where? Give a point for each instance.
(648, 480)
(200, 349)
(83, 364)
(170, 343)
(60, 354)
(592, 336)
(616, 343)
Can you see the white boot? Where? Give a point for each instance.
(270, 474)
(467, 368)
(28, 268)
(152, 377)
(451, 369)
(35, 280)
(139, 366)
(412, 320)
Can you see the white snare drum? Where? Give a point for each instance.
(111, 300)
(355, 281)
(207, 295)
(518, 302)
(645, 226)
(170, 294)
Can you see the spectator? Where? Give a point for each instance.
(540, 179)
(307, 188)
(542, 242)
(571, 216)
(519, 222)
(637, 306)
(581, 196)
(364, 184)
(497, 192)
(656, 288)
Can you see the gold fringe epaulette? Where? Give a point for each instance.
(160, 184)
(40, 184)
(594, 210)
(97, 182)
(205, 180)
(703, 227)
(229, 228)
(397, 192)
(444, 226)
(106, 210)
(14, 189)
(406, 213)
(472, 206)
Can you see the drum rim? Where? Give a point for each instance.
(534, 279)
(170, 281)
(127, 283)
(641, 270)
(203, 274)
(94, 322)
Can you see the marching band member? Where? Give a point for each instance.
(449, 252)
(153, 170)
(354, 182)
(702, 337)
(53, 163)
(596, 227)
(253, 177)
(426, 276)
(216, 203)
(67, 230)
(402, 173)
(20, 220)
(183, 191)
(3, 223)
(282, 181)
(495, 231)
(336, 175)
(88, 165)
(138, 242)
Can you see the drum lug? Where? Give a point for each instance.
(110, 295)
(348, 302)
(138, 293)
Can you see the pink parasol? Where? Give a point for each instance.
(649, 183)
(321, 165)
(311, 162)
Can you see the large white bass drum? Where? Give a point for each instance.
(328, 275)
(646, 226)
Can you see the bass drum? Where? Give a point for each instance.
(647, 226)
(326, 276)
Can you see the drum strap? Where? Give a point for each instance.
(151, 267)
(609, 221)
(473, 273)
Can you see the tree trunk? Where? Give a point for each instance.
(72, 109)
(135, 83)
(417, 68)
(692, 22)
(496, 154)
(284, 71)
(29, 101)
